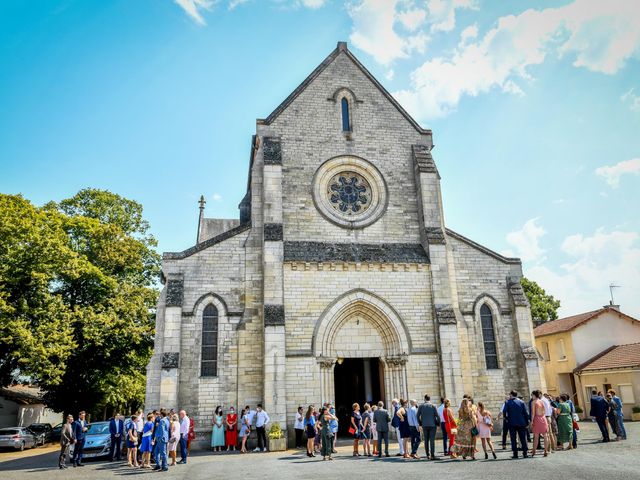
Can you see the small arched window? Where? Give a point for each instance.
(346, 123)
(209, 367)
(488, 337)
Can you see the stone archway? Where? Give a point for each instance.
(359, 324)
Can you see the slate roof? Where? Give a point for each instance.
(613, 358)
(569, 323)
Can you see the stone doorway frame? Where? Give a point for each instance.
(394, 334)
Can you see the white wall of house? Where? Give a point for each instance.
(28, 414)
(602, 332)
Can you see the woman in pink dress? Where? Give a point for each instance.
(539, 424)
(485, 426)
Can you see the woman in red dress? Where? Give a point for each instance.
(231, 432)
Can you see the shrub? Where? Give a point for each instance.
(636, 409)
(275, 432)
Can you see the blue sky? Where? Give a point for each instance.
(535, 108)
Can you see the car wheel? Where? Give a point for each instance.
(22, 446)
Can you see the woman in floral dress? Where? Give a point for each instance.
(463, 446)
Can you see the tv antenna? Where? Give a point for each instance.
(611, 287)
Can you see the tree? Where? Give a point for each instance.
(77, 293)
(543, 307)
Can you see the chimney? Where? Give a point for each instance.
(612, 306)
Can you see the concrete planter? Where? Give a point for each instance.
(635, 417)
(277, 444)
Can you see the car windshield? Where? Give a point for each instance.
(9, 431)
(38, 427)
(98, 428)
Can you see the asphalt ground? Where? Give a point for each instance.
(592, 460)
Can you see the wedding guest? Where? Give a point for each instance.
(298, 426)
(366, 430)
(231, 431)
(185, 424)
(66, 440)
(145, 444)
(217, 432)
(356, 428)
(310, 429)
(132, 443)
(174, 438)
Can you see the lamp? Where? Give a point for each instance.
(340, 360)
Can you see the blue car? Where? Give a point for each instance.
(97, 440)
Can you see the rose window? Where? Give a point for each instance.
(349, 193)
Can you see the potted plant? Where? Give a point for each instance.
(277, 442)
(635, 413)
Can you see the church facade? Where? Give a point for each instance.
(340, 280)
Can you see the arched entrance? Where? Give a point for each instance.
(361, 346)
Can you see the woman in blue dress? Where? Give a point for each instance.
(405, 432)
(366, 430)
(217, 434)
(356, 428)
(245, 430)
(145, 446)
(132, 441)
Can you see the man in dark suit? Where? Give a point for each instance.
(515, 411)
(382, 419)
(599, 410)
(79, 429)
(428, 419)
(116, 429)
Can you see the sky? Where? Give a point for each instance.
(534, 107)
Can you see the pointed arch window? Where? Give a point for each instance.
(209, 360)
(488, 337)
(346, 122)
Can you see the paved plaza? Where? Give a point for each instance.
(592, 460)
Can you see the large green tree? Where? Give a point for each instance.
(544, 307)
(77, 293)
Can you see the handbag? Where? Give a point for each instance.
(352, 431)
(474, 432)
(454, 431)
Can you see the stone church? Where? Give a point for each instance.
(340, 280)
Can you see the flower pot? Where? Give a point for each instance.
(635, 417)
(277, 444)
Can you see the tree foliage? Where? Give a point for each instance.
(544, 307)
(77, 293)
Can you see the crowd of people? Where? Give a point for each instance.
(553, 423)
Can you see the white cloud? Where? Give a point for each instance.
(313, 4)
(558, 201)
(526, 242)
(216, 197)
(469, 33)
(235, 3)
(442, 13)
(390, 74)
(194, 8)
(595, 261)
(600, 36)
(632, 99)
(374, 30)
(412, 19)
(613, 173)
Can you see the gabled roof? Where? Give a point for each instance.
(615, 357)
(569, 323)
(341, 48)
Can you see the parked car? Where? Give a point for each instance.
(45, 430)
(97, 440)
(56, 433)
(18, 438)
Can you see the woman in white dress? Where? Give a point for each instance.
(174, 438)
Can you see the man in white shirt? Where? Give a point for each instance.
(262, 418)
(445, 440)
(185, 423)
(548, 413)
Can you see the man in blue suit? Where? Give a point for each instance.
(116, 429)
(161, 437)
(79, 430)
(515, 412)
(599, 411)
